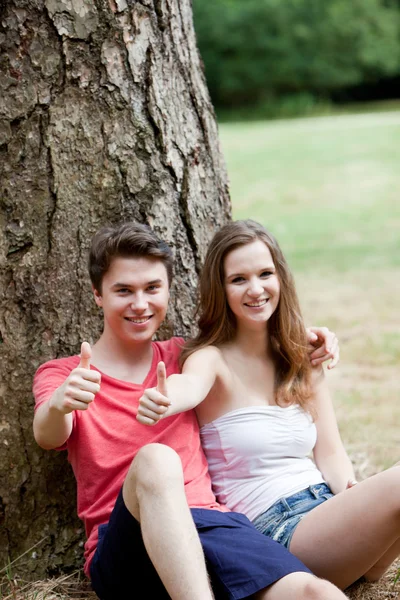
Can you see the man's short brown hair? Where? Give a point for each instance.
(126, 240)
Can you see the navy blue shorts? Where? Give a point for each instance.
(240, 559)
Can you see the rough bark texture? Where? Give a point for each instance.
(104, 115)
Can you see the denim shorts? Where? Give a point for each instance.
(282, 518)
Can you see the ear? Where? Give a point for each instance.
(97, 297)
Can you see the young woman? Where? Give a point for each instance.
(263, 410)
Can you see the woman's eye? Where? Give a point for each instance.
(266, 273)
(238, 280)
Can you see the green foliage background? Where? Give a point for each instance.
(296, 51)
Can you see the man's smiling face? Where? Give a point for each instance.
(134, 298)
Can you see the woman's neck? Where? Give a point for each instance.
(253, 342)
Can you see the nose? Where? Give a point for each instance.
(139, 302)
(255, 287)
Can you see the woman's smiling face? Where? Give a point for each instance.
(251, 283)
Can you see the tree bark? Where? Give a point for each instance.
(104, 116)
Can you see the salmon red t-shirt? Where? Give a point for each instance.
(107, 436)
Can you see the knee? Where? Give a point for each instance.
(156, 467)
(305, 586)
(320, 589)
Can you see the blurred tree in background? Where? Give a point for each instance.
(300, 51)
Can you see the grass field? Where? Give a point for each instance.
(329, 189)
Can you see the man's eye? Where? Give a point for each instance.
(123, 291)
(153, 288)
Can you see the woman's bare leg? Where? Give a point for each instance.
(354, 533)
(382, 565)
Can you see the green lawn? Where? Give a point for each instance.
(329, 189)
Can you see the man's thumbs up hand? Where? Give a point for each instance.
(86, 355)
(162, 379)
(80, 387)
(154, 403)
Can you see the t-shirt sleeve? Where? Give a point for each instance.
(176, 347)
(177, 344)
(48, 378)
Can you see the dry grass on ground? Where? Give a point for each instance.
(386, 589)
(67, 587)
(73, 588)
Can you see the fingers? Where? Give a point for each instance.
(75, 394)
(325, 347)
(311, 336)
(162, 379)
(328, 339)
(336, 355)
(82, 384)
(145, 420)
(351, 483)
(324, 337)
(148, 418)
(78, 386)
(320, 355)
(80, 400)
(332, 356)
(152, 399)
(80, 391)
(84, 363)
(86, 355)
(153, 406)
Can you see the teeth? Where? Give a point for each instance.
(143, 320)
(255, 304)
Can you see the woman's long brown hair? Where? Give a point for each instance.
(217, 323)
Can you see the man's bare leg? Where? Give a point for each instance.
(154, 494)
(301, 586)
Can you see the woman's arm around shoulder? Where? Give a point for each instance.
(330, 454)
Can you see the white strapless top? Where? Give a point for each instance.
(259, 454)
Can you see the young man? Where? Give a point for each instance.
(135, 484)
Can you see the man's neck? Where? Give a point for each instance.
(128, 362)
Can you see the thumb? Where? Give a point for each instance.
(311, 336)
(162, 379)
(86, 355)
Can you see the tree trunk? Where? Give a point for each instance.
(104, 116)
